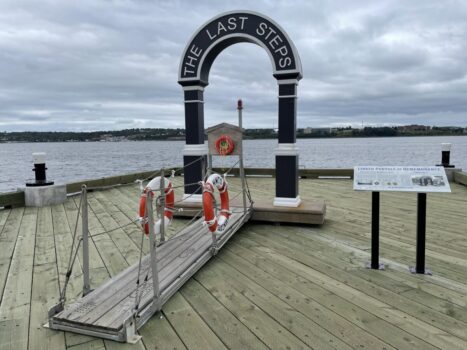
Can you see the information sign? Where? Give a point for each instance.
(421, 179)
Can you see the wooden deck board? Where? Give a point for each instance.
(303, 327)
(338, 274)
(44, 286)
(311, 301)
(352, 306)
(191, 329)
(158, 334)
(227, 327)
(16, 301)
(3, 218)
(265, 277)
(423, 322)
(8, 238)
(265, 327)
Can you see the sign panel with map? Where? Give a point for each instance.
(422, 179)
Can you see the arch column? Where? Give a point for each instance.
(286, 152)
(194, 146)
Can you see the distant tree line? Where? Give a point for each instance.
(113, 135)
(384, 131)
(148, 134)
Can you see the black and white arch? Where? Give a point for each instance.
(202, 49)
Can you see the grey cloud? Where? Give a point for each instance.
(91, 65)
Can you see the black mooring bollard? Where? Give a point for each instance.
(446, 155)
(39, 170)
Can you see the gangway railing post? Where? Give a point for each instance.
(214, 247)
(152, 250)
(162, 205)
(241, 170)
(84, 225)
(209, 167)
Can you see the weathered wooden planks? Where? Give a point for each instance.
(307, 298)
(420, 321)
(234, 334)
(113, 302)
(16, 301)
(45, 287)
(266, 275)
(8, 236)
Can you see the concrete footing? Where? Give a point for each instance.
(41, 196)
(450, 173)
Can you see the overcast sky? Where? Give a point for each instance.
(102, 65)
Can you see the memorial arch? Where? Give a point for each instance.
(204, 46)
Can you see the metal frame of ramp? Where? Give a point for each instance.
(108, 312)
(122, 305)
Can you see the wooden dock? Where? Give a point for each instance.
(276, 287)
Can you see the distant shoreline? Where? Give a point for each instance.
(246, 138)
(249, 134)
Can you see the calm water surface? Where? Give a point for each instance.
(71, 161)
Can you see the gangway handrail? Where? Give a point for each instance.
(141, 311)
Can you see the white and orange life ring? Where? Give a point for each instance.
(148, 192)
(216, 224)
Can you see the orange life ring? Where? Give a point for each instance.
(148, 192)
(224, 145)
(216, 224)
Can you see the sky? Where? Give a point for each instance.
(109, 65)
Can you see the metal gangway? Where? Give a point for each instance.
(119, 307)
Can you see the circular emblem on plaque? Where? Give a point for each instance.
(224, 145)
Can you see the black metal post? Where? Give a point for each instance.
(446, 155)
(375, 230)
(40, 169)
(421, 233)
(445, 158)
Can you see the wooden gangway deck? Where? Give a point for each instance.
(104, 311)
(275, 287)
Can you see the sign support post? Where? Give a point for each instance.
(421, 236)
(374, 264)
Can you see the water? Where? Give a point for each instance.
(69, 162)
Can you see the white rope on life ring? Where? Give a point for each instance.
(219, 223)
(148, 191)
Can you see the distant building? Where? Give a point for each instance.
(111, 138)
(413, 128)
(320, 131)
